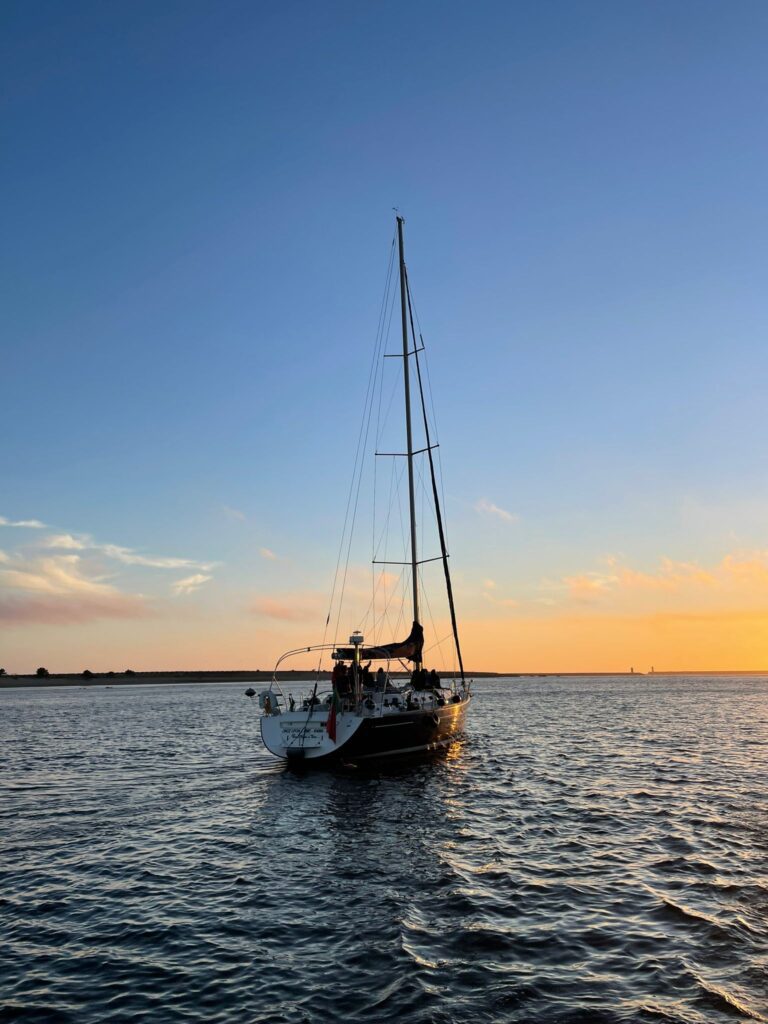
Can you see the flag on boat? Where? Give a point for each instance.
(330, 724)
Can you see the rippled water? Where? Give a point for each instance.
(593, 851)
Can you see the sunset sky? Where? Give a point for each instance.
(197, 217)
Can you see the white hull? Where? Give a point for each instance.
(379, 731)
(297, 733)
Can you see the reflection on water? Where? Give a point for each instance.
(594, 850)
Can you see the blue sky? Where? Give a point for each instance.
(198, 211)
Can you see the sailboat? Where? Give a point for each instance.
(400, 708)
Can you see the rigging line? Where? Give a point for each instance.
(378, 429)
(439, 517)
(392, 304)
(384, 534)
(376, 350)
(379, 425)
(394, 391)
(389, 302)
(432, 407)
(378, 414)
(385, 529)
(388, 597)
(379, 581)
(398, 589)
(437, 643)
(384, 538)
(370, 391)
(426, 364)
(398, 503)
(357, 500)
(431, 616)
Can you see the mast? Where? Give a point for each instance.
(408, 431)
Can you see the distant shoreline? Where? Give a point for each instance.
(157, 678)
(301, 675)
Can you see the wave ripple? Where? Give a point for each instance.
(593, 851)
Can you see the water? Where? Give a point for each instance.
(595, 851)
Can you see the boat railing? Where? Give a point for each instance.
(312, 698)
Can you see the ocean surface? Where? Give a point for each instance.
(595, 850)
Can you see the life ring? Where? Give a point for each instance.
(432, 719)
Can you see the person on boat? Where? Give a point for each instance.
(381, 679)
(339, 679)
(434, 680)
(365, 675)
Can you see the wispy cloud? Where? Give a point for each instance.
(28, 524)
(488, 508)
(269, 555)
(65, 541)
(127, 556)
(589, 584)
(233, 513)
(751, 566)
(58, 574)
(62, 579)
(189, 584)
(489, 584)
(671, 575)
(58, 590)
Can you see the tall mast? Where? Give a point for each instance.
(408, 431)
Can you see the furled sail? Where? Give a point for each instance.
(409, 649)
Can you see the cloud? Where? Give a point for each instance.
(486, 507)
(233, 513)
(118, 553)
(189, 584)
(129, 557)
(65, 541)
(747, 566)
(589, 585)
(269, 555)
(61, 580)
(56, 590)
(50, 610)
(58, 574)
(28, 524)
(670, 576)
(489, 584)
